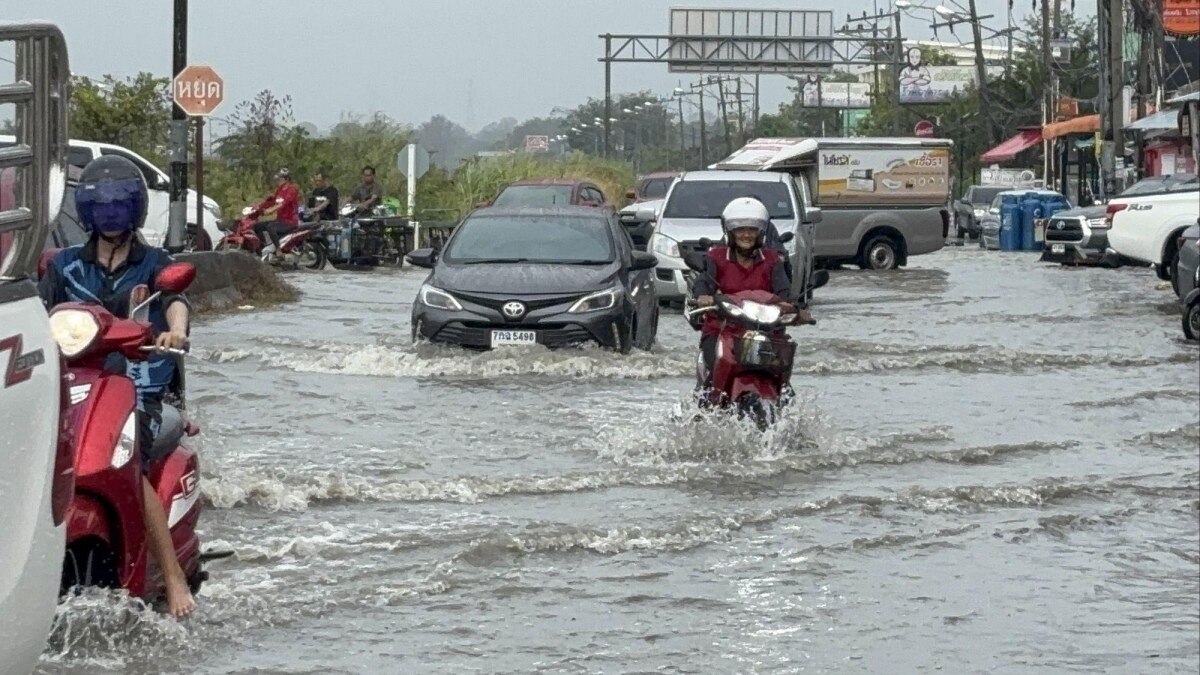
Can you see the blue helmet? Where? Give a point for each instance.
(111, 196)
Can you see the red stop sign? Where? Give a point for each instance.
(198, 90)
(924, 129)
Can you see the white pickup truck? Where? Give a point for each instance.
(1146, 226)
(36, 471)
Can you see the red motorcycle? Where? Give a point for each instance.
(753, 369)
(106, 537)
(305, 246)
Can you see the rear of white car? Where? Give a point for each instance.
(36, 475)
(1145, 227)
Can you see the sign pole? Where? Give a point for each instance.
(412, 195)
(177, 221)
(200, 177)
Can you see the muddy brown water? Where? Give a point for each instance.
(994, 466)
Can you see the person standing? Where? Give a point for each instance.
(323, 200)
(368, 194)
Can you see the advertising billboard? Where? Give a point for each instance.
(842, 95)
(921, 83)
(750, 41)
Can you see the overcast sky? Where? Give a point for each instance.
(474, 61)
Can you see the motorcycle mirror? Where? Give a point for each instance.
(705, 243)
(248, 210)
(786, 237)
(820, 278)
(138, 295)
(44, 261)
(694, 260)
(175, 278)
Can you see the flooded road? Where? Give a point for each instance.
(994, 466)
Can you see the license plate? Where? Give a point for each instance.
(1058, 248)
(513, 337)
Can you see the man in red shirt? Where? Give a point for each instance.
(284, 204)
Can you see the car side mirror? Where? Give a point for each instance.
(640, 260)
(175, 278)
(819, 278)
(812, 214)
(422, 257)
(646, 215)
(786, 237)
(631, 195)
(162, 183)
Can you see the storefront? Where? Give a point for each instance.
(1074, 144)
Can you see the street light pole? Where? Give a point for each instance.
(177, 215)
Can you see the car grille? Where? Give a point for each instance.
(1064, 229)
(480, 334)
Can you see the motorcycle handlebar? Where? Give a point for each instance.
(164, 350)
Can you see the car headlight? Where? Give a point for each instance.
(596, 302)
(74, 330)
(664, 245)
(756, 311)
(979, 213)
(1099, 223)
(439, 299)
(126, 442)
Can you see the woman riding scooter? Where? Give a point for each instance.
(111, 200)
(743, 264)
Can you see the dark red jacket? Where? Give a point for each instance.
(288, 197)
(724, 274)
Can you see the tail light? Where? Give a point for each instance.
(1112, 209)
(63, 489)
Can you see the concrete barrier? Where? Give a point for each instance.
(231, 278)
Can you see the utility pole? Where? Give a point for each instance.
(682, 148)
(699, 87)
(1047, 95)
(607, 92)
(1143, 81)
(897, 47)
(981, 85)
(177, 215)
(1116, 73)
(724, 116)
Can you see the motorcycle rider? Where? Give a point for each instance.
(284, 204)
(368, 194)
(111, 201)
(744, 263)
(323, 190)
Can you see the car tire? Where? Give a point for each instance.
(1173, 271)
(1191, 321)
(880, 253)
(625, 336)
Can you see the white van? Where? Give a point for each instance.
(157, 213)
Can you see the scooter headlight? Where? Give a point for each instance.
(765, 314)
(126, 443)
(732, 309)
(74, 330)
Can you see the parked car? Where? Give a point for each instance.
(652, 186)
(552, 277)
(692, 212)
(885, 199)
(1146, 225)
(640, 228)
(36, 477)
(1187, 263)
(972, 208)
(989, 237)
(201, 238)
(549, 193)
(1076, 235)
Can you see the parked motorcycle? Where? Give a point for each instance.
(106, 537)
(304, 247)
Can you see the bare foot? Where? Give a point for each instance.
(179, 599)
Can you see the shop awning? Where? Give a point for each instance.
(1163, 120)
(1009, 149)
(1088, 124)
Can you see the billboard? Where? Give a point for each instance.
(1181, 18)
(849, 176)
(843, 95)
(750, 41)
(921, 83)
(537, 144)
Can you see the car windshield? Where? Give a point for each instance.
(655, 188)
(981, 195)
(1159, 184)
(522, 238)
(708, 198)
(536, 196)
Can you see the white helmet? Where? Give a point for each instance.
(745, 212)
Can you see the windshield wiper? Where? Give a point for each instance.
(580, 262)
(485, 261)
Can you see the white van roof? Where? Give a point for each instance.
(765, 154)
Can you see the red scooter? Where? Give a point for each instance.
(303, 247)
(106, 537)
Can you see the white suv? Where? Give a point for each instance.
(158, 211)
(1147, 225)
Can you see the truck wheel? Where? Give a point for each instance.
(1191, 321)
(879, 254)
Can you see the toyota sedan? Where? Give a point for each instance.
(555, 278)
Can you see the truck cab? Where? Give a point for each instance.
(36, 471)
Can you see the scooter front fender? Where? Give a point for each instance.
(765, 388)
(87, 517)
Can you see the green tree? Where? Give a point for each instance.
(133, 112)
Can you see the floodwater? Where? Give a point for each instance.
(994, 466)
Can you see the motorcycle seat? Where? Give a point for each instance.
(170, 433)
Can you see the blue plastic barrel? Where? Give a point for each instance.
(1032, 208)
(1010, 222)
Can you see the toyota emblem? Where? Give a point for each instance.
(1059, 225)
(513, 310)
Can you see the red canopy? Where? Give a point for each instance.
(1009, 149)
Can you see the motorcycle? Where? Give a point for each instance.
(106, 536)
(753, 369)
(302, 247)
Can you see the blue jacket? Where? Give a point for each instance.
(74, 275)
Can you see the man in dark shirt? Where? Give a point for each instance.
(368, 194)
(323, 190)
